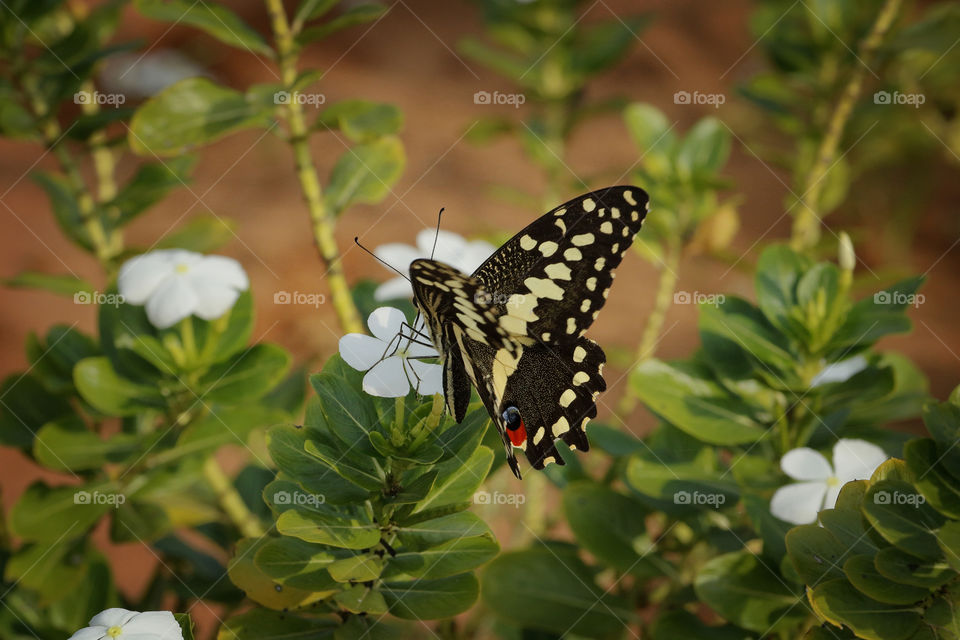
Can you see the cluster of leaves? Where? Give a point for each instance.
(132, 418)
(682, 517)
(812, 52)
(370, 504)
(885, 562)
(550, 55)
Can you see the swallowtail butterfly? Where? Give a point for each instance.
(514, 328)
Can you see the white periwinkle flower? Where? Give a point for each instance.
(121, 624)
(819, 483)
(839, 371)
(175, 284)
(393, 361)
(452, 249)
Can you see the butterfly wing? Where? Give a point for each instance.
(550, 280)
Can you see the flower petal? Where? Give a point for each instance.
(113, 617)
(387, 379)
(385, 322)
(173, 301)
(214, 297)
(856, 459)
(393, 289)
(90, 633)
(425, 378)
(398, 255)
(140, 276)
(798, 503)
(475, 254)
(421, 346)
(360, 351)
(152, 625)
(449, 245)
(805, 464)
(225, 271)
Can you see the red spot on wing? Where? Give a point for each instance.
(517, 436)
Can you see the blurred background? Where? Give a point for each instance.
(426, 58)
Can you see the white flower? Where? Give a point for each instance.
(393, 361)
(839, 371)
(820, 483)
(174, 284)
(121, 624)
(452, 249)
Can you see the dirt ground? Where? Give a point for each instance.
(409, 59)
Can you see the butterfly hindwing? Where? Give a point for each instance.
(551, 279)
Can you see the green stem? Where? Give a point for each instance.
(322, 219)
(189, 339)
(806, 226)
(651, 331)
(230, 500)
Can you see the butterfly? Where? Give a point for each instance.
(513, 329)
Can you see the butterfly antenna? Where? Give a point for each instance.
(381, 260)
(436, 236)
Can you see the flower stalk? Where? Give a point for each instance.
(322, 220)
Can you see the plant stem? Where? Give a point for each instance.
(322, 220)
(806, 226)
(230, 500)
(651, 331)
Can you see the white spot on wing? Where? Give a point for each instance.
(585, 306)
(628, 196)
(538, 436)
(566, 398)
(527, 243)
(592, 284)
(571, 325)
(557, 271)
(561, 426)
(606, 227)
(544, 288)
(548, 249)
(599, 264)
(582, 239)
(580, 377)
(589, 205)
(579, 354)
(572, 254)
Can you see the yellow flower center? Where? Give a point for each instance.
(114, 632)
(833, 481)
(182, 268)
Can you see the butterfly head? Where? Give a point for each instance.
(516, 430)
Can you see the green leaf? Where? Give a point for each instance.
(749, 593)
(683, 625)
(65, 206)
(778, 272)
(26, 407)
(941, 489)
(600, 45)
(349, 414)
(191, 113)
(690, 485)
(229, 425)
(111, 393)
(736, 325)
(558, 594)
(214, 19)
(431, 599)
(949, 540)
(359, 568)
(246, 376)
(862, 574)
(48, 514)
(695, 404)
(609, 525)
(705, 148)
(458, 484)
(336, 529)
(365, 173)
(67, 445)
(310, 9)
(261, 588)
(904, 568)
(816, 554)
(149, 185)
(352, 16)
(445, 559)
(840, 603)
(263, 624)
(52, 570)
(59, 284)
(878, 315)
(362, 120)
(203, 234)
(900, 514)
(286, 446)
(297, 563)
(430, 533)
(652, 133)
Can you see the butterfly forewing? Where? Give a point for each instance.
(514, 328)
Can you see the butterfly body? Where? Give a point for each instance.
(514, 328)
